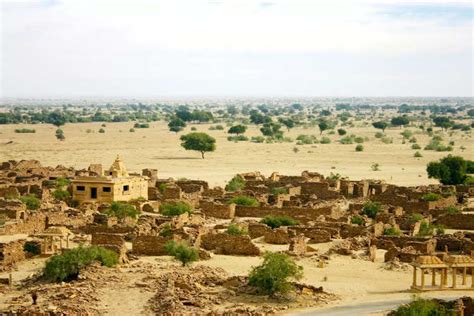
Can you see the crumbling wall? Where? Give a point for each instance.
(457, 221)
(257, 230)
(70, 218)
(35, 223)
(218, 210)
(11, 253)
(150, 245)
(114, 242)
(302, 214)
(227, 244)
(298, 245)
(277, 236)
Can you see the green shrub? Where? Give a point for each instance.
(452, 210)
(24, 130)
(358, 140)
(122, 210)
(132, 130)
(417, 155)
(426, 229)
(66, 266)
(166, 231)
(439, 229)
(325, 140)
(257, 139)
(431, 197)
(162, 187)
(101, 130)
(423, 307)
(415, 146)
(176, 209)
(274, 274)
(237, 183)
(61, 195)
(392, 231)
(341, 132)
(371, 209)
(379, 135)
(357, 220)
(359, 148)
(61, 182)
(32, 247)
(279, 190)
(244, 200)
(347, 140)
(306, 139)
(415, 218)
(278, 221)
(238, 138)
(406, 134)
(141, 125)
(182, 252)
(235, 230)
(31, 201)
(386, 140)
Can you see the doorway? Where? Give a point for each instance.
(93, 193)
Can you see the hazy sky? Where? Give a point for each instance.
(152, 48)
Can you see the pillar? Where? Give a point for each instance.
(433, 277)
(454, 278)
(422, 278)
(414, 276)
(472, 277)
(464, 276)
(446, 276)
(441, 281)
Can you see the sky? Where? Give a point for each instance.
(235, 48)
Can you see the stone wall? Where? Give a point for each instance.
(70, 218)
(11, 253)
(257, 230)
(457, 221)
(302, 214)
(114, 242)
(298, 245)
(150, 245)
(277, 236)
(227, 244)
(320, 189)
(218, 210)
(35, 223)
(316, 234)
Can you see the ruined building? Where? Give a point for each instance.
(114, 184)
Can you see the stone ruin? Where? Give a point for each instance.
(324, 209)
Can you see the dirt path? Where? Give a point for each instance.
(124, 301)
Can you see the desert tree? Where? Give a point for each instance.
(237, 129)
(201, 142)
(451, 170)
(380, 125)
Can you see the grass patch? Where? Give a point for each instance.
(176, 209)
(278, 221)
(244, 201)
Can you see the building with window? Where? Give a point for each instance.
(114, 184)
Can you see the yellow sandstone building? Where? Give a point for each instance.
(112, 185)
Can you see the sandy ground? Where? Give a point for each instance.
(158, 148)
